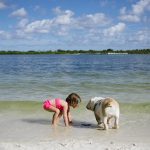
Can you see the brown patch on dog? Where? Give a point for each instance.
(99, 101)
(108, 102)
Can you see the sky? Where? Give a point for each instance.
(43, 25)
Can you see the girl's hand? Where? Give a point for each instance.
(65, 108)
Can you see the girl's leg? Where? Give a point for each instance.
(59, 116)
(55, 116)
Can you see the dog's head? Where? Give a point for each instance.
(92, 103)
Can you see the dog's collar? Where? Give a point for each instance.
(95, 105)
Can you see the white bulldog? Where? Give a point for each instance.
(104, 109)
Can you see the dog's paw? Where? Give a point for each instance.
(109, 126)
(100, 126)
(116, 127)
(105, 127)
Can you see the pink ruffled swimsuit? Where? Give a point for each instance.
(47, 104)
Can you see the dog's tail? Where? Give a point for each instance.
(109, 102)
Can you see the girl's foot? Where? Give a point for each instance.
(55, 125)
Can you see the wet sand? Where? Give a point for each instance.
(33, 134)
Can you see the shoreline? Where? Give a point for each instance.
(80, 54)
(62, 138)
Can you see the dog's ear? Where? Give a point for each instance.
(89, 105)
(92, 99)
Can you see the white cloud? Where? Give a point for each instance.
(20, 34)
(18, 13)
(96, 37)
(10, 26)
(123, 11)
(3, 6)
(145, 18)
(61, 31)
(139, 8)
(136, 12)
(63, 19)
(100, 36)
(144, 28)
(129, 18)
(57, 11)
(80, 23)
(4, 35)
(115, 30)
(148, 7)
(140, 36)
(89, 21)
(42, 10)
(103, 3)
(36, 7)
(39, 27)
(59, 25)
(22, 23)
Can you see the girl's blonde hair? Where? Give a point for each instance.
(73, 99)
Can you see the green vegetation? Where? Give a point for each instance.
(59, 51)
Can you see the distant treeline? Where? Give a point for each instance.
(59, 51)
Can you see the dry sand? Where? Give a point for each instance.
(71, 144)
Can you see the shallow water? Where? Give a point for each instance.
(23, 122)
(26, 81)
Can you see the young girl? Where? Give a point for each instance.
(60, 107)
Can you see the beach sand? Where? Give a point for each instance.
(72, 144)
(32, 130)
(73, 138)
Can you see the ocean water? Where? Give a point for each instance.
(26, 81)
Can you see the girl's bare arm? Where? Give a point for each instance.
(65, 115)
(69, 116)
